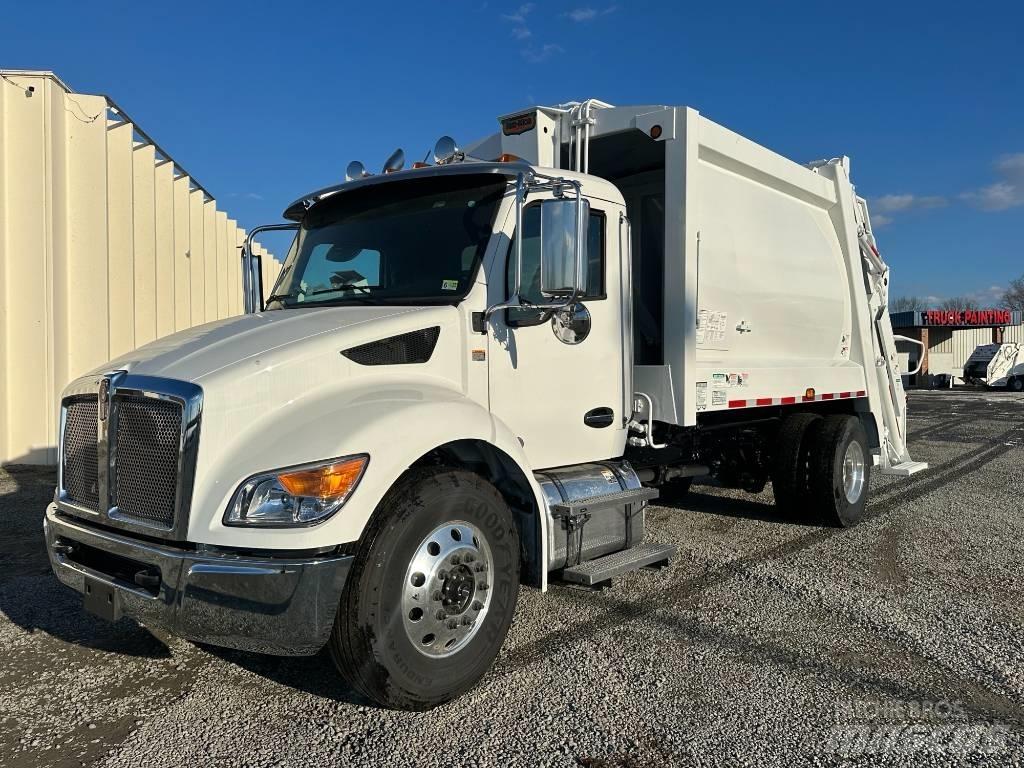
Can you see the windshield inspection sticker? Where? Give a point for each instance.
(449, 285)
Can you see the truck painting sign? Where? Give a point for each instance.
(967, 317)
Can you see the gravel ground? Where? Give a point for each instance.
(765, 643)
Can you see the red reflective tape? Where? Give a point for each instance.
(828, 396)
(788, 400)
(764, 401)
(861, 393)
(737, 403)
(845, 395)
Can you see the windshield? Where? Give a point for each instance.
(418, 241)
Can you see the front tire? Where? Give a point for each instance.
(840, 471)
(432, 591)
(1016, 384)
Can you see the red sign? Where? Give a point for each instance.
(513, 126)
(984, 317)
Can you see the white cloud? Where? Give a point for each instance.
(521, 33)
(586, 13)
(880, 220)
(582, 14)
(1007, 192)
(519, 15)
(987, 297)
(906, 202)
(537, 54)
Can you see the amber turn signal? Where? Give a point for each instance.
(327, 482)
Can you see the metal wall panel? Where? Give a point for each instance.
(144, 233)
(210, 258)
(105, 244)
(182, 262)
(196, 256)
(120, 238)
(163, 222)
(222, 265)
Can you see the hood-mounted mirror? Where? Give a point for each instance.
(394, 163)
(355, 170)
(446, 150)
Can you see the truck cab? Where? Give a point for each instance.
(473, 374)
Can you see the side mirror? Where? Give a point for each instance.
(563, 245)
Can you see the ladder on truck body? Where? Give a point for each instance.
(882, 375)
(891, 400)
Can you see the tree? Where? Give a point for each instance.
(1014, 296)
(907, 304)
(959, 302)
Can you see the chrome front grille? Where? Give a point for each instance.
(148, 445)
(128, 452)
(79, 470)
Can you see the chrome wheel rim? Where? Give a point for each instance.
(447, 589)
(853, 472)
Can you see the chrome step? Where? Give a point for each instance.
(904, 469)
(620, 499)
(600, 571)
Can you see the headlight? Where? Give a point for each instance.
(296, 496)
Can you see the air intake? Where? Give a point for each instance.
(404, 349)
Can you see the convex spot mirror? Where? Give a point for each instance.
(563, 246)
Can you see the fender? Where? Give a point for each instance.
(395, 422)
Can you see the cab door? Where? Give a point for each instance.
(560, 389)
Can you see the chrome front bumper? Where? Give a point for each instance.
(283, 606)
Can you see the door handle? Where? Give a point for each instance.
(599, 418)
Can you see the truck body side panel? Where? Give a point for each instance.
(773, 297)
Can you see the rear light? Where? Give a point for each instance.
(508, 158)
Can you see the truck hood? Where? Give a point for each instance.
(200, 351)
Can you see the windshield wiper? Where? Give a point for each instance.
(344, 287)
(278, 297)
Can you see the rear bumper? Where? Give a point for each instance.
(283, 606)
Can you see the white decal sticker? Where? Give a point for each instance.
(718, 397)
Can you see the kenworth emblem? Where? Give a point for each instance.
(104, 398)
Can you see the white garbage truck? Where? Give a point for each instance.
(473, 374)
(996, 365)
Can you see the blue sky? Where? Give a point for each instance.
(263, 101)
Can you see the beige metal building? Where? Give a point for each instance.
(106, 243)
(949, 344)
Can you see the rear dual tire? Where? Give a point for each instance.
(821, 469)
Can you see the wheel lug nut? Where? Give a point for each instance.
(482, 586)
(470, 558)
(466, 621)
(440, 615)
(442, 575)
(453, 624)
(477, 605)
(455, 560)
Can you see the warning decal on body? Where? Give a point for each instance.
(702, 395)
(719, 397)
